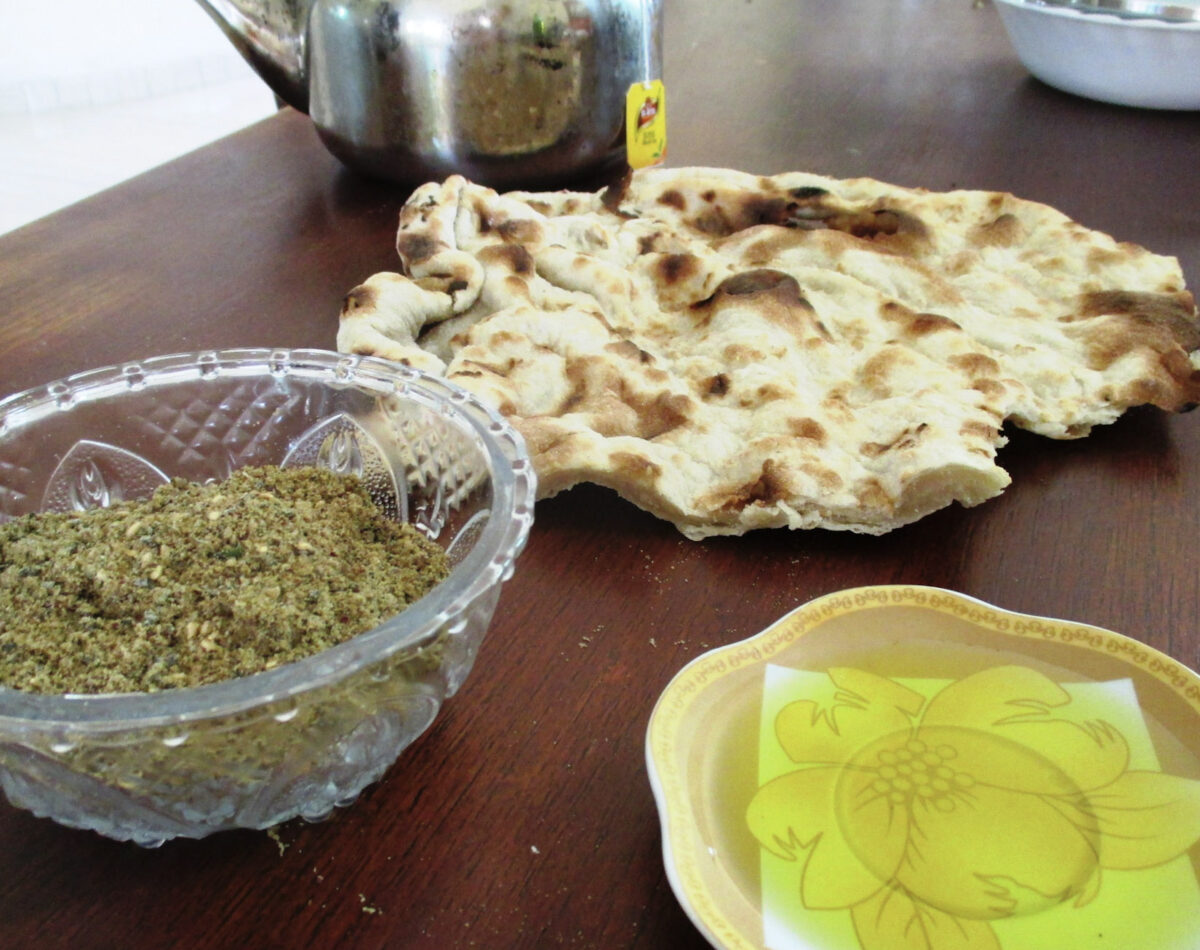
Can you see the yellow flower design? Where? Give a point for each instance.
(929, 819)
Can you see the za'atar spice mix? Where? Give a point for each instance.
(202, 583)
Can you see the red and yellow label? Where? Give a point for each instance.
(646, 123)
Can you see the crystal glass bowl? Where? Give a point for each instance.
(301, 738)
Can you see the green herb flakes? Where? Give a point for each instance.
(202, 583)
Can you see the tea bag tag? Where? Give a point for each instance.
(646, 123)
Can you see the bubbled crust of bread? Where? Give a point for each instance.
(732, 352)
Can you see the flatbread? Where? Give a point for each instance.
(730, 351)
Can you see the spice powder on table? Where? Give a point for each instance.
(202, 583)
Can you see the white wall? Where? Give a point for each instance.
(93, 92)
(59, 54)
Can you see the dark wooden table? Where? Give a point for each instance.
(524, 818)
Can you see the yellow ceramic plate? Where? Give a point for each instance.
(906, 768)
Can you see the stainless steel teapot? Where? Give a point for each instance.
(509, 93)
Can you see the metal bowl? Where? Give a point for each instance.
(301, 738)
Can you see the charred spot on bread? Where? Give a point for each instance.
(922, 324)
(415, 248)
(362, 297)
(677, 268)
(513, 257)
(809, 429)
(630, 350)
(598, 390)
(762, 280)
(991, 388)
(975, 429)
(716, 386)
(662, 414)
(672, 198)
(1005, 230)
(975, 364)
(906, 439)
(914, 324)
(763, 209)
(768, 487)
(635, 467)
(519, 231)
(882, 223)
(1173, 313)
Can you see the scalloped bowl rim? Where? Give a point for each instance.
(674, 804)
(500, 542)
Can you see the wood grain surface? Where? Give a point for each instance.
(524, 817)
